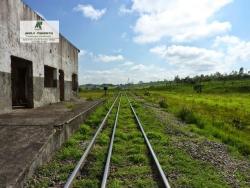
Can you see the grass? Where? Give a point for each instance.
(182, 169)
(211, 87)
(62, 164)
(221, 116)
(93, 169)
(130, 162)
(163, 104)
(90, 95)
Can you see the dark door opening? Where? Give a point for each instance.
(61, 84)
(74, 82)
(21, 83)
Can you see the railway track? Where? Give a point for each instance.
(124, 137)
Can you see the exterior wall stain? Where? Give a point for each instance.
(62, 56)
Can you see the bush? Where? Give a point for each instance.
(244, 149)
(198, 88)
(146, 93)
(163, 103)
(237, 123)
(188, 116)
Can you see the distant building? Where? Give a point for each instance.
(33, 75)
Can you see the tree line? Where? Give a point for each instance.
(234, 75)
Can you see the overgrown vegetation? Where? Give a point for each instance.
(220, 112)
(130, 162)
(56, 172)
(181, 169)
(163, 103)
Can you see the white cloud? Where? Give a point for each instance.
(90, 12)
(192, 58)
(109, 58)
(180, 20)
(225, 52)
(101, 57)
(139, 67)
(236, 49)
(82, 53)
(118, 75)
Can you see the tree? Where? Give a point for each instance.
(241, 71)
(198, 88)
(177, 79)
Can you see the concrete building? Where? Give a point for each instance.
(33, 75)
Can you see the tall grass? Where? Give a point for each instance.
(225, 117)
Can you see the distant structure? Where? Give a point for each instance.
(33, 75)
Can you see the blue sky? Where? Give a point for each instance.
(145, 40)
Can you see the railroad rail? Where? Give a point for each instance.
(107, 165)
(156, 161)
(82, 161)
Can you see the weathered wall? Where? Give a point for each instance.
(62, 56)
(5, 90)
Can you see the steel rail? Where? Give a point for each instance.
(83, 112)
(107, 165)
(81, 162)
(159, 168)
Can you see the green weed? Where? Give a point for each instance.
(163, 103)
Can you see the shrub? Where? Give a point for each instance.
(146, 93)
(188, 116)
(237, 123)
(244, 149)
(163, 103)
(198, 88)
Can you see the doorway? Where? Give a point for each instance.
(61, 84)
(21, 83)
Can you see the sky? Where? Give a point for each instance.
(124, 41)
